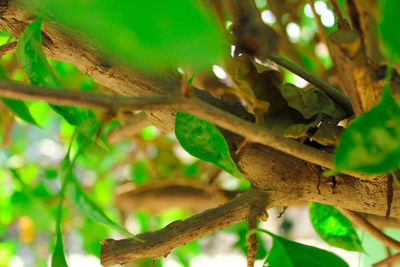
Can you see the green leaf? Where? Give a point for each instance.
(150, 34)
(286, 253)
(371, 143)
(32, 60)
(202, 140)
(307, 102)
(140, 172)
(20, 109)
(58, 256)
(300, 129)
(75, 194)
(333, 227)
(390, 25)
(17, 106)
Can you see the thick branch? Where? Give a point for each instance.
(160, 243)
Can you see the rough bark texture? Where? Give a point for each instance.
(159, 243)
(280, 179)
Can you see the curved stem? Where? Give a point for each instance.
(371, 229)
(309, 77)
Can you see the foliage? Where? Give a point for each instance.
(170, 36)
(288, 253)
(162, 43)
(203, 140)
(333, 227)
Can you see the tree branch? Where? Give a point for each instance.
(159, 243)
(8, 48)
(129, 128)
(203, 110)
(388, 260)
(83, 99)
(261, 135)
(370, 229)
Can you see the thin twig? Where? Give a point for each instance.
(303, 73)
(392, 259)
(82, 99)
(371, 229)
(320, 26)
(342, 22)
(8, 48)
(129, 128)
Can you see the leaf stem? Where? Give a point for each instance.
(306, 75)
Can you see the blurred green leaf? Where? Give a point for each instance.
(149, 133)
(38, 211)
(32, 60)
(150, 34)
(92, 232)
(240, 229)
(80, 200)
(286, 253)
(371, 143)
(140, 172)
(50, 173)
(191, 170)
(58, 256)
(389, 26)
(76, 195)
(333, 227)
(168, 164)
(202, 140)
(7, 250)
(17, 106)
(184, 254)
(20, 109)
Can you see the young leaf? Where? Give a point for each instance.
(20, 109)
(333, 227)
(75, 194)
(307, 102)
(58, 256)
(149, 34)
(286, 253)
(389, 26)
(32, 60)
(371, 143)
(202, 140)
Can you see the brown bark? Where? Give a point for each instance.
(160, 243)
(158, 196)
